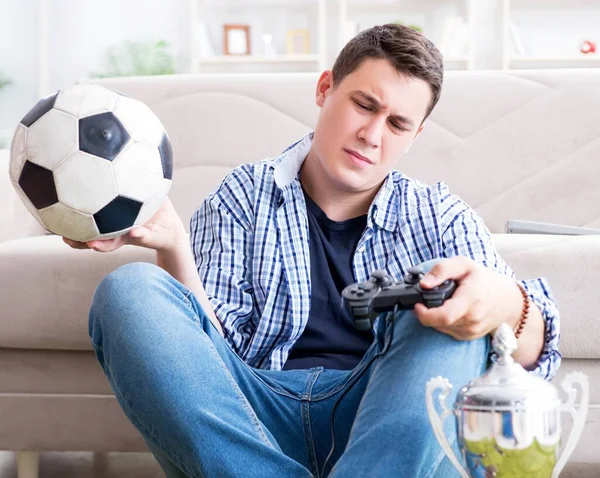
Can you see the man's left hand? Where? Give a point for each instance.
(483, 299)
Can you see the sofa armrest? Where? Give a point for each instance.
(47, 287)
(571, 264)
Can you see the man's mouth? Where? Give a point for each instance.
(358, 156)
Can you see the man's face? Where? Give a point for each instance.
(366, 123)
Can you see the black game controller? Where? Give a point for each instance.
(379, 294)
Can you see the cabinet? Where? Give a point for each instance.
(472, 34)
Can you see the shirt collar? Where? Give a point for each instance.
(385, 207)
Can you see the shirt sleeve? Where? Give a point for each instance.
(221, 236)
(463, 233)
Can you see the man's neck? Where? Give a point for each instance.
(337, 204)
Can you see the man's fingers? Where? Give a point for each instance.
(105, 245)
(75, 244)
(447, 314)
(453, 268)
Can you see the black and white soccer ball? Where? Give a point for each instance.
(91, 163)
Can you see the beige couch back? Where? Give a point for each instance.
(514, 145)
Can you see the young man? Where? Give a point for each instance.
(241, 362)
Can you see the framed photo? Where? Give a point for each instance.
(236, 39)
(298, 42)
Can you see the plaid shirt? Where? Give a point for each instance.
(250, 241)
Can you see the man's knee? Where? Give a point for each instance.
(117, 290)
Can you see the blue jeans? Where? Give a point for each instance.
(205, 413)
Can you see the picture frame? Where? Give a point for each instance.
(297, 42)
(236, 39)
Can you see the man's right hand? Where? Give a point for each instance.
(163, 232)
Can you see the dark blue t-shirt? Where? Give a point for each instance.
(330, 339)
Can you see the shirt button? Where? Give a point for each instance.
(361, 249)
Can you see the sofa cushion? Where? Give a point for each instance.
(48, 287)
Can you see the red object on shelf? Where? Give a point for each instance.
(588, 47)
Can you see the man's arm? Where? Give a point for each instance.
(179, 262)
(221, 236)
(531, 342)
(465, 234)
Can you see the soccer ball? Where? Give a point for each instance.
(90, 163)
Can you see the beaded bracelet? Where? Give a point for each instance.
(525, 314)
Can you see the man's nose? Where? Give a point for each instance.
(372, 132)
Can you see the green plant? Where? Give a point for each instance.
(138, 59)
(4, 81)
(414, 27)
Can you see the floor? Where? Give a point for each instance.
(143, 465)
(87, 465)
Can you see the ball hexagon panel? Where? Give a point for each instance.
(86, 100)
(85, 183)
(38, 185)
(166, 156)
(139, 120)
(138, 171)
(102, 135)
(72, 224)
(52, 139)
(18, 152)
(118, 215)
(150, 206)
(39, 110)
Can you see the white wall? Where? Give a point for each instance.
(79, 34)
(17, 60)
(557, 33)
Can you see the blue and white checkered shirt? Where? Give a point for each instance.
(250, 241)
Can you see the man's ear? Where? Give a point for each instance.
(419, 130)
(324, 86)
(416, 136)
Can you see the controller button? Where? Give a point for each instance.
(360, 311)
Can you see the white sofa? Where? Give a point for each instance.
(515, 145)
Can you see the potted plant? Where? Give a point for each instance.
(138, 59)
(4, 81)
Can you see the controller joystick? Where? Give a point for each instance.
(414, 275)
(381, 278)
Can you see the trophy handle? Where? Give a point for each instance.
(578, 417)
(437, 421)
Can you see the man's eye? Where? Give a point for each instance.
(362, 106)
(399, 127)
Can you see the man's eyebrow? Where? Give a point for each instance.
(372, 99)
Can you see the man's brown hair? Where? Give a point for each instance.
(406, 49)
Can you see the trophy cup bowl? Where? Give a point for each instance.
(508, 422)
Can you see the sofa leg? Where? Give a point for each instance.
(28, 464)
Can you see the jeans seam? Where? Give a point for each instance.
(249, 410)
(453, 438)
(187, 294)
(430, 473)
(308, 436)
(148, 430)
